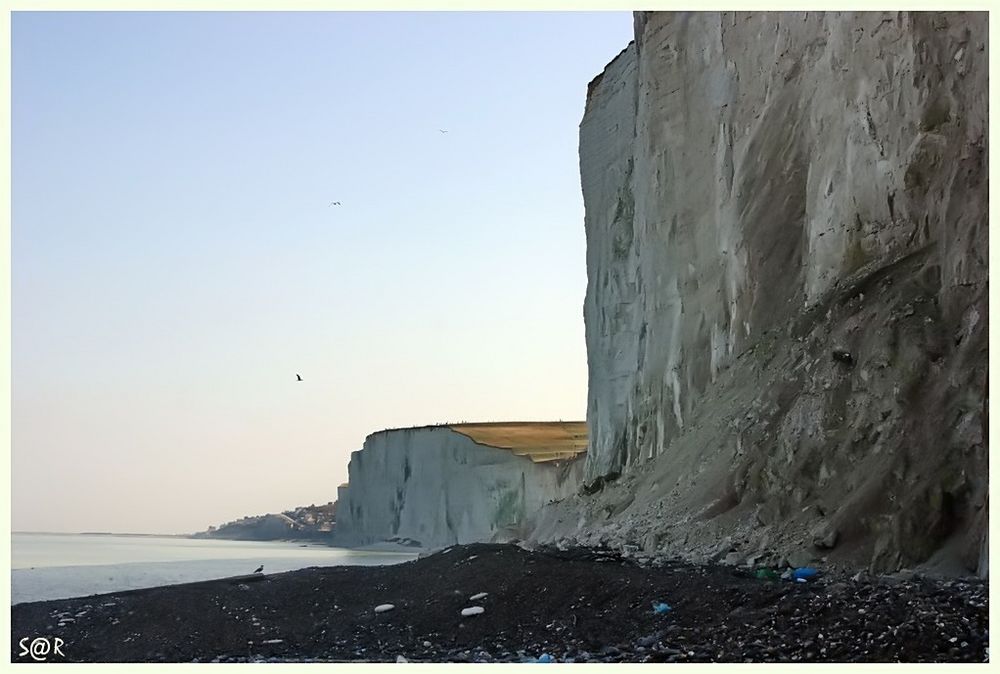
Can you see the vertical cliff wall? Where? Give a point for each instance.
(786, 311)
(441, 485)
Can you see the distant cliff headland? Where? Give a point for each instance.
(305, 523)
(440, 485)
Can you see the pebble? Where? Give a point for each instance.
(473, 610)
(477, 597)
(382, 608)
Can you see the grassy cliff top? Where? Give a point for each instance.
(538, 440)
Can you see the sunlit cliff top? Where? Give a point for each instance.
(538, 440)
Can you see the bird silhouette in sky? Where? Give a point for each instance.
(298, 377)
(334, 203)
(443, 130)
(260, 569)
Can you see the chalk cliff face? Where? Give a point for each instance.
(438, 486)
(786, 311)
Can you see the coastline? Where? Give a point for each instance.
(48, 567)
(579, 605)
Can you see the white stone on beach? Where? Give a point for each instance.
(473, 610)
(382, 608)
(477, 597)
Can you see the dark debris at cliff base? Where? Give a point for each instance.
(576, 605)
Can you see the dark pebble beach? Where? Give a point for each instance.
(576, 605)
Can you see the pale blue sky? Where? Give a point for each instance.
(175, 262)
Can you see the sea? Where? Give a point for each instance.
(58, 566)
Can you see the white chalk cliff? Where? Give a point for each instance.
(442, 485)
(786, 219)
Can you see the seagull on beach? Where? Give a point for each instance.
(260, 569)
(298, 377)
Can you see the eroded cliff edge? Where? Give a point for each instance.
(786, 311)
(440, 485)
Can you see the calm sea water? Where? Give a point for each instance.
(57, 566)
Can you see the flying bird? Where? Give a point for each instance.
(260, 569)
(298, 377)
(334, 203)
(443, 130)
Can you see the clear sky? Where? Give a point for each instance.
(175, 259)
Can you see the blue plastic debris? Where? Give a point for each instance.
(545, 657)
(804, 573)
(661, 607)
